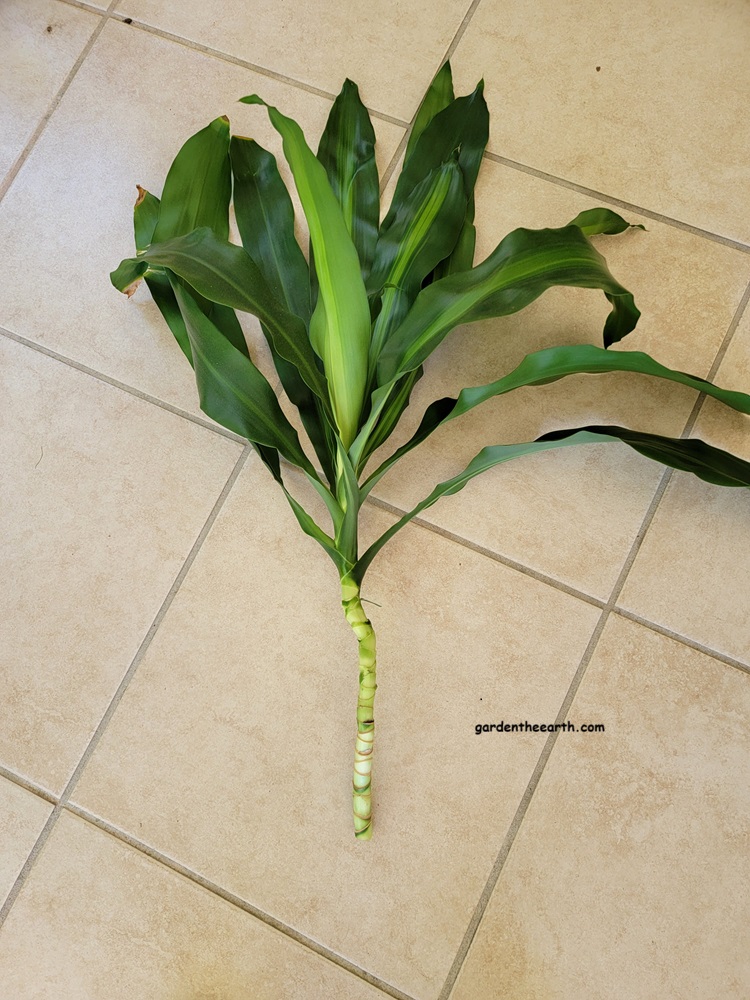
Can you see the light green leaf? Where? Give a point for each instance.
(340, 327)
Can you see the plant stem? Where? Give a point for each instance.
(362, 778)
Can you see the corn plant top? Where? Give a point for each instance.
(350, 331)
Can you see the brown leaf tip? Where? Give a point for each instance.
(142, 192)
(132, 287)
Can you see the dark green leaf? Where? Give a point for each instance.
(347, 152)
(232, 391)
(265, 218)
(439, 95)
(198, 187)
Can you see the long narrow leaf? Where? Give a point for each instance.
(347, 153)
(340, 326)
(550, 365)
(227, 274)
(524, 265)
(703, 460)
(265, 219)
(232, 391)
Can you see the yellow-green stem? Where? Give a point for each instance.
(362, 778)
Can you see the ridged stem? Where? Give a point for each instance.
(362, 778)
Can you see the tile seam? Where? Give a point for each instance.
(81, 5)
(22, 157)
(714, 654)
(122, 386)
(648, 213)
(26, 783)
(227, 57)
(166, 861)
(122, 687)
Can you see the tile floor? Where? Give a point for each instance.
(173, 818)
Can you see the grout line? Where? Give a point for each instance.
(28, 784)
(728, 336)
(24, 154)
(117, 697)
(227, 57)
(730, 661)
(80, 5)
(460, 31)
(131, 390)
(242, 904)
(619, 202)
(535, 574)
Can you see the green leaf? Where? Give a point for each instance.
(232, 391)
(340, 325)
(265, 218)
(543, 367)
(601, 220)
(525, 264)
(423, 232)
(198, 187)
(439, 95)
(687, 454)
(127, 276)
(226, 274)
(709, 463)
(347, 152)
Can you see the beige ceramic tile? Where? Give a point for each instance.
(645, 102)
(629, 875)
(232, 750)
(22, 816)
(391, 52)
(102, 499)
(692, 573)
(41, 41)
(98, 919)
(573, 513)
(67, 220)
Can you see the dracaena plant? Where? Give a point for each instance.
(350, 330)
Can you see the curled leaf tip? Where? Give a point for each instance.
(142, 192)
(132, 288)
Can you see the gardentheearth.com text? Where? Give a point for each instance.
(528, 727)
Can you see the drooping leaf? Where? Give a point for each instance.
(595, 221)
(226, 274)
(550, 365)
(439, 95)
(232, 391)
(692, 455)
(340, 325)
(347, 153)
(524, 265)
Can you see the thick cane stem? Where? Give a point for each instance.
(362, 778)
